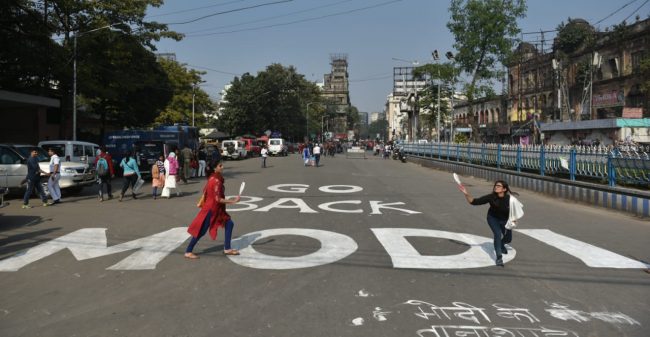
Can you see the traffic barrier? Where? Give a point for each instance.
(355, 152)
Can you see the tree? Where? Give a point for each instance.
(276, 99)
(29, 58)
(573, 36)
(184, 84)
(380, 127)
(37, 62)
(445, 75)
(485, 32)
(644, 69)
(121, 81)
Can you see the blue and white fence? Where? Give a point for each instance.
(599, 176)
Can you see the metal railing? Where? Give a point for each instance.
(623, 165)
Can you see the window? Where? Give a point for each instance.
(636, 61)
(8, 157)
(77, 150)
(88, 151)
(59, 149)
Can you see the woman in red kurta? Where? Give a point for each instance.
(213, 214)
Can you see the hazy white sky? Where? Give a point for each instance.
(303, 33)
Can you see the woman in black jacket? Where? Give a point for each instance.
(497, 215)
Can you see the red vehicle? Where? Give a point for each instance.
(252, 147)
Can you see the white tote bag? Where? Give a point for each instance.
(138, 185)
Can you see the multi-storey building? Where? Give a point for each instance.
(336, 92)
(589, 95)
(406, 93)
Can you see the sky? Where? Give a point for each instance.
(227, 38)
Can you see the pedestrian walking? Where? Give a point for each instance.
(158, 175)
(103, 175)
(317, 150)
(264, 153)
(185, 161)
(202, 162)
(213, 214)
(55, 175)
(131, 174)
(306, 155)
(33, 179)
(102, 153)
(171, 176)
(498, 214)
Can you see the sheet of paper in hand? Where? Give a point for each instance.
(241, 188)
(457, 179)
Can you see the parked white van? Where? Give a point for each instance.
(72, 150)
(233, 149)
(277, 147)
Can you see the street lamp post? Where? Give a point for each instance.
(307, 118)
(450, 57)
(193, 96)
(322, 129)
(74, 76)
(436, 58)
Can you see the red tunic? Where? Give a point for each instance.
(213, 190)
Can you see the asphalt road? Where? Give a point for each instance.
(369, 248)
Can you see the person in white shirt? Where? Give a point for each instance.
(55, 175)
(265, 153)
(317, 154)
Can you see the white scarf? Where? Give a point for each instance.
(516, 212)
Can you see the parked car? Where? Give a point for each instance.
(71, 150)
(252, 149)
(13, 169)
(277, 147)
(73, 175)
(233, 149)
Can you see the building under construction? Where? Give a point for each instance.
(336, 93)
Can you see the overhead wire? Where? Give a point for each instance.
(297, 21)
(194, 9)
(614, 12)
(636, 10)
(226, 12)
(269, 18)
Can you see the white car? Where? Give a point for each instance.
(73, 175)
(233, 149)
(277, 147)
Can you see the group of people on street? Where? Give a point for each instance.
(33, 179)
(311, 154)
(502, 216)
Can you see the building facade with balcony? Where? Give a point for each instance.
(566, 93)
(336, 92)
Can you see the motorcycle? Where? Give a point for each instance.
(399, 154)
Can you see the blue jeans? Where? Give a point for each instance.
(31, 184)
(500, 233)
(204, 229)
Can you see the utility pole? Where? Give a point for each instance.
(436, 58)
(74, 89)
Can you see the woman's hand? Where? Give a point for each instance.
(462, 188)
(237, 198)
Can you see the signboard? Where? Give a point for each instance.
(609, 98)
(629, 112)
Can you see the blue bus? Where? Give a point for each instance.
(148, 145)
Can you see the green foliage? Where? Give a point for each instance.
(573, 36)
(278, 98)
(118, 76)
(461, 138)
(644, 69)
(380, 127)
(484, 31)
(184, 84)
